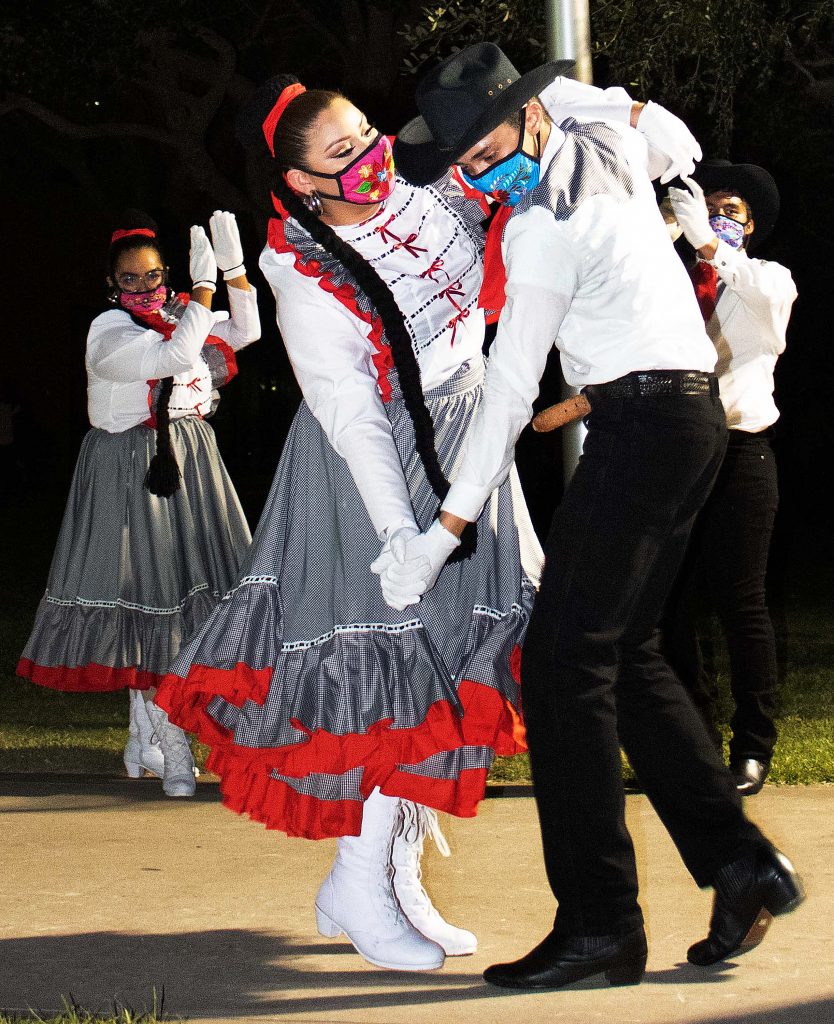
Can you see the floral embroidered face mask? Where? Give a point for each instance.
(369, 178)
(728, 230)
(144, 302)
(508, 179)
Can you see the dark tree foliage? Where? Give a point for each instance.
(105, 105)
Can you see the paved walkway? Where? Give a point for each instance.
(108, 891)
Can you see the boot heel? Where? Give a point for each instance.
(785, 895)
(325, 926)
(629, 972)
(134, 770)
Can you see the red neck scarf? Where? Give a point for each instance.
(705, 280)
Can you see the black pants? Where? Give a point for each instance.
(727, 564)
(593, 676)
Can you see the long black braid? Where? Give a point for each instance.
(163, 477)
(290, 146)
(408, 370)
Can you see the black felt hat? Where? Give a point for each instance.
(749, 182)
(460, 101)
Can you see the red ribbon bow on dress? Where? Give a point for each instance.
(406, 243)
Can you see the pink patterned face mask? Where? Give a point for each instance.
(367, 179)
(144, 302)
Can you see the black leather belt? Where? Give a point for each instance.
(653, 383)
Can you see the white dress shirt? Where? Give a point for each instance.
(748, 330)
(124, 360)
(603, 284)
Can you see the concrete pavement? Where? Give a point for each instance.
(108, 891)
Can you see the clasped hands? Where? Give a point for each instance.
(410, 562)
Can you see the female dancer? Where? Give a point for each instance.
(330, 713)
(153, 533)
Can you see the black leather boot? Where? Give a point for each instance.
(560, 960)
(749, 893)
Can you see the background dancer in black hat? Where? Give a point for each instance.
(153, 532)
(591, 268)
(729, 210)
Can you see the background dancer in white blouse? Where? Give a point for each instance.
(590, 268)
(153, 532)
(746, 303)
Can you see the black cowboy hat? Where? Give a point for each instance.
(749, 182)
(461, 100)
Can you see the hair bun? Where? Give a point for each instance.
(250, 119)
(133, 220)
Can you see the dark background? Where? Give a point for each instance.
(105, 106)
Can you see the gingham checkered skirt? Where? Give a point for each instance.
(134, 574)
(311, 690)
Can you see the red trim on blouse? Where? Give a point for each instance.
(166, 329)
(344, 293)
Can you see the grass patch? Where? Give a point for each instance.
(72, 1013)
(45, 730)
(76, 1015)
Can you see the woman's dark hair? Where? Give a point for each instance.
(290, 148)
(163, 475)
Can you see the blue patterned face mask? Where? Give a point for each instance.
(511, 177)
(729, 231)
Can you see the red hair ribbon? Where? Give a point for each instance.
(273, 117)
(125, 233)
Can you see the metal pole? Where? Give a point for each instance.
(568, 33)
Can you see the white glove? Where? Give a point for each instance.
(672, 138)
(393, 551)
(202, 264)
(227, 248)
(425, 556)
(690, 211)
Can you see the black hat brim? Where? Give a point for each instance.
(751, 183)
(419, 159)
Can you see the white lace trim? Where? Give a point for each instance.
(86, 602)
(354, 627)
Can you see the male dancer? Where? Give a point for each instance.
(726, 210)
(590, 268)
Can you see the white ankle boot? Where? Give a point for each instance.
(178, 775)
(143, 752)
(357, 897)
(417, 823)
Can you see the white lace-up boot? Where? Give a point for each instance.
(142, 752)
(178, 775)
(417, 823)
(357, 897)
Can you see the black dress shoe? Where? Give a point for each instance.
(749, 893)
(559, 960)
(749, 774)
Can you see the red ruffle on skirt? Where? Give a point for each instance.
(489, 720)
(90, 678)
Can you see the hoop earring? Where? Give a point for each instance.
(313, 204)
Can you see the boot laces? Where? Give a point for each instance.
(175, 748)
(419, 822)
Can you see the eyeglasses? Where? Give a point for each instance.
(141, 282)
